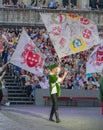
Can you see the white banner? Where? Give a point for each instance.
(27, 56)
(95, 61)
(70, 33)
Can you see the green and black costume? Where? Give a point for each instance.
(53, 81)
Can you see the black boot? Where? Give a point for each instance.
(51, 117)
(57, 117)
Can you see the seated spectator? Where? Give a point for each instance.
(44, 83)
(36, 84)
(94, 87)
(76, 84)
(69, 85)
(85, 87)
(90, 83)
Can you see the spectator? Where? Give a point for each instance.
(14, 2)
(44, 83)
(52, 5)
(33, 3)
(101, 4)
(90, 83)
(28, 88)
(69, 85)
(65, 3)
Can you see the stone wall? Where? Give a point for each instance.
(31, 17)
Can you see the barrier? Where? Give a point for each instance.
(65, 99)
(91, 97)
(94, 100)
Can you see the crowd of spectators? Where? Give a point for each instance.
(74, 64)
(52, 4)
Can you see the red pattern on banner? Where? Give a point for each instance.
(87, 33)
(56, 31)
(84, 21)
(99, 56)
(30, 58)
(62, 41)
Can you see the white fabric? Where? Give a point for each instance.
(95, 60)
(70, 33)
(27, 56)
(54, 90)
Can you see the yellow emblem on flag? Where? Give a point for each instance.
(77, 44)
(73, 16)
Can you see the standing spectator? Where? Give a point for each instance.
(28, 88)
(65, 3)
(14, 2)
(101, 4)
(51, 5)
(93, 4)
(34, 3)
(54, 81)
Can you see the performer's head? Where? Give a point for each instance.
(53, 68)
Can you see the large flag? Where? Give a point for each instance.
(27, 56)
(70, 33)
(95, 61)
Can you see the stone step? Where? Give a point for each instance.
(12, 84)
(16, 91)
(21, 102)
(10, 80)
(9, 77)
(20, 99)
(14, 87)
(16, 94)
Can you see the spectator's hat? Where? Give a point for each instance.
(51, 67)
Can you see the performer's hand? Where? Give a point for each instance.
(65, 73)
(59, 62)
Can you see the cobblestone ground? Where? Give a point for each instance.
(36, 118)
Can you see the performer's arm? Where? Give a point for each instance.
(62, 78)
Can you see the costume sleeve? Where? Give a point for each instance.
(59, 80)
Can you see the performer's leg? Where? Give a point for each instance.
(52, 109)
(56, 108)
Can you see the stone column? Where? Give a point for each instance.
(60, 2)
(27, 2)
(82, 3)
(0, 3)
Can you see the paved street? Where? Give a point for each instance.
(36, 118)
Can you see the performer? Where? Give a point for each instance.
(55, 90)
(101, 90)
(1, 92)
